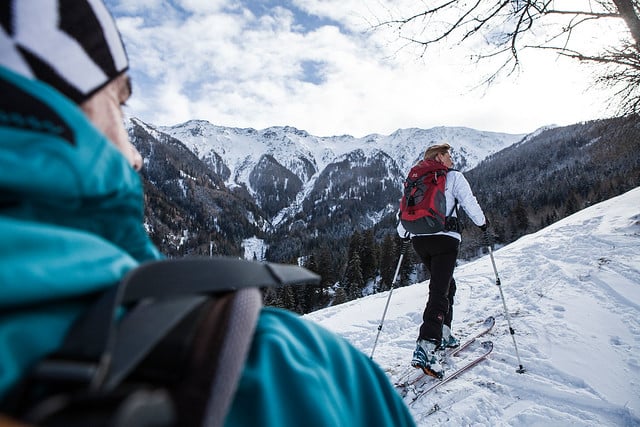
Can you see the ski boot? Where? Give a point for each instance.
(426, 358)
(448, 340)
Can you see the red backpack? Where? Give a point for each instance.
(423, 207)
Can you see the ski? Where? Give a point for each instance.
(487, 347)
(486, 327)
(412, 376)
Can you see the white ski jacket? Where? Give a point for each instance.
(456, 188)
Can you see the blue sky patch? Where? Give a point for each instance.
(313, 72)
(302, 19)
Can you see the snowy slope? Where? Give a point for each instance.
(573, 292)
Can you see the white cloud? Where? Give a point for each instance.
(228, 66)
(202, 6)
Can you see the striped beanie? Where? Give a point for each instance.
(73, 45)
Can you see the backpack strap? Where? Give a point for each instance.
(122, 328)
(454, 209)
(202, 359)
(231, 344)
(175, 286)
(453, 222)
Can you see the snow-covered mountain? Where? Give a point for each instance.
(241, 148)
(283, 167)
(573, 294)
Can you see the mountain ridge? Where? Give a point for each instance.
(285, 148)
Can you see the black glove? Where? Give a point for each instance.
(484, 226)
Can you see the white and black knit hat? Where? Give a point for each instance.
(73, 45)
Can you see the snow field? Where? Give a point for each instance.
(573, 294)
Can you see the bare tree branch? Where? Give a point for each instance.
(507, 25)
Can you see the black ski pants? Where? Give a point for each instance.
(439, 254)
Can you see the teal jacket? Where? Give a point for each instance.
(299, 374)
(71, 225)
(71, 219)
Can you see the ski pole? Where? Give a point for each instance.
(520, 369)
(405, 244)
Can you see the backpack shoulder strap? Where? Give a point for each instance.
(105, 346)
(231, 346)
(174, 286)
(201, 361)
(455, 201)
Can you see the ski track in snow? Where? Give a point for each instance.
(573, 294)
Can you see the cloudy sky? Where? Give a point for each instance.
(318, 66)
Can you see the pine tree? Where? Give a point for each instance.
(387, 262)
(369, 254)
(311, 264)
(288, 298)
(272, 299)
(571, 204)
(340, 296)
(324, 265)
(408, 264)
(353, 281)
(521, 217)
(355, 245)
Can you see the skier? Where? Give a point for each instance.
(439, 251)
(71, 221)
